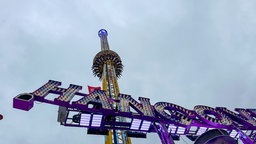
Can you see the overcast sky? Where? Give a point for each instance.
(177, 51)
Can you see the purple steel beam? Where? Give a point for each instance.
(163, 133)
(243, 137)
(158, 128)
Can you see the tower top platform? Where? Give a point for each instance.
(102, 33)
(106, 56)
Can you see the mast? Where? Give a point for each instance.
(107, 66)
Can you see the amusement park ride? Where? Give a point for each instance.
(119, 117)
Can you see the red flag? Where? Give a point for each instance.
(91, 89)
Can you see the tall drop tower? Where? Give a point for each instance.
(108, 112)
(107, 66)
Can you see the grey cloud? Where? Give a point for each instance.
(182, 52)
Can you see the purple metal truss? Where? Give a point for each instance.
(94, 110)
(163, 133)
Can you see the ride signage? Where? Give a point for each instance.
(177, 119)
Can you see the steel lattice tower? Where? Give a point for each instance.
(107, 66)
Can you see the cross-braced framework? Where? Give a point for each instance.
(109, 112)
